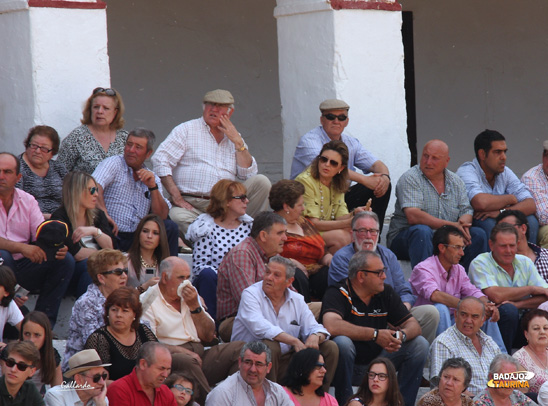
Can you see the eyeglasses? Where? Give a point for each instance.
(373, 375)
(378, 272)
(93, 190)
(249, 363)
(181, 388)
(107, 91)
(117, 271)
(97, 377)
(364, 231)
(21, 366)
(319, 365)
(457, 247)
(324, 160)
(241, 197)
(332, 117)
(42, 149)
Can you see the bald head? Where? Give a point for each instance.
(434, 159)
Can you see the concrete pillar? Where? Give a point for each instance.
(53, 53)
(350, 50)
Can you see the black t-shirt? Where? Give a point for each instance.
(385, 307)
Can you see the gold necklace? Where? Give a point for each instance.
(322, 217)
(145, 265)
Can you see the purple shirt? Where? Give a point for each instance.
(429, 276)
(24, 217)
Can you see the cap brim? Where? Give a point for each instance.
(72, 372)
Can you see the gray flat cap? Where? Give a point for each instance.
(219, 96)
(333, 104)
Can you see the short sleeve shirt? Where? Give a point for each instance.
(385, 307)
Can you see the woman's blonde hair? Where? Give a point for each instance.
(73, 185)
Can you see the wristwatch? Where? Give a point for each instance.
(375, 334)
(197, 310)
(99, 233)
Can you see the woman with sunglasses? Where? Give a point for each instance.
(304, 380)
(325, 182)
(88, 226)
(36, 328)
(100, 135)
(41, 176)
(182, 386)
(214, 233)
(379, 386)
(119, 340)
(108, 272)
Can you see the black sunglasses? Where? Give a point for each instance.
(332, 117)
(107, 91)
(324, 160)
(93, 190)
(97, 377)
(117, 271)
(21, 366)
(241, 197)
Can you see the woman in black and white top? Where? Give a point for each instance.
(214, 233)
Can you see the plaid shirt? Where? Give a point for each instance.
(414, 189)
(541, 263)
(536, 181)
(196, 161)
(244, 265)
(452, 343)
(127, 200)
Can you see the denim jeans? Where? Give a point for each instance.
(415, 244)
(206, 285)
(51, 278)
(508, 324)
(409, 362)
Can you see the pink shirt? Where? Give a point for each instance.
(24, 217)
(429, 276)
(327, 399)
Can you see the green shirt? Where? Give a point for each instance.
(28, 395)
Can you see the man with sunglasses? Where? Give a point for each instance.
(128, 190)
(365, 234)
(20, 217)
(334, 119)
(89, 385)
(367, 319)
(249, 386)
(19, 363)
(199, 153)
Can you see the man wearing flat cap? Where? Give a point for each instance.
(88, 386)
(536, 181)
(334, 120)
(199, 153)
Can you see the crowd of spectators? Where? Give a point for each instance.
(289, 284)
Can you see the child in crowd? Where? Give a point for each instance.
(182, 387)
(9, 312)
(37, 329)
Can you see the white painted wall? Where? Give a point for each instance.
(51, 59)
(482, 64)
(354, 55)
(70, 59)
